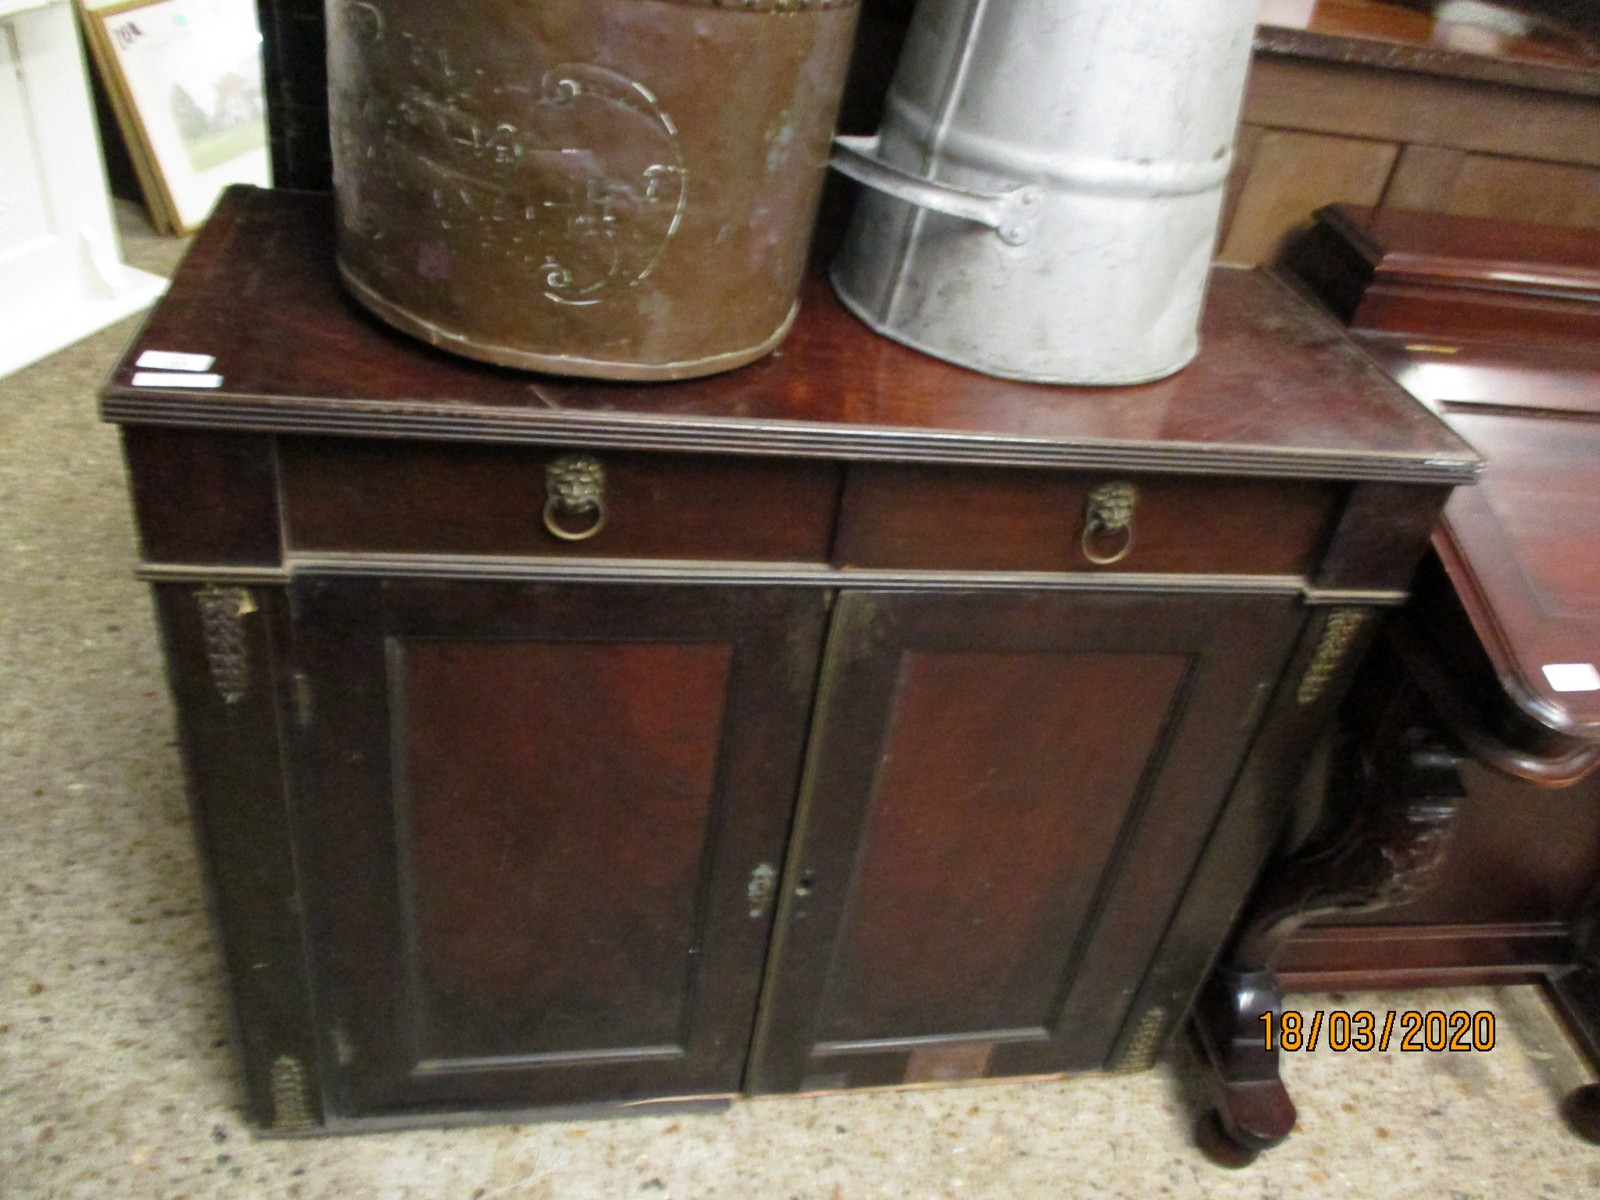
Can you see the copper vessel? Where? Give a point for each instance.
(614, 188)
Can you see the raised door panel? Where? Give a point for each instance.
(1003, 798)
(533, 815)
(557, 802)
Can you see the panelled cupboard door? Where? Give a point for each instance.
(541, 824)
(1003, 798)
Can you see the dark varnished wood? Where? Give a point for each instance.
(1279, 391)
(530, 823)
(1404, 785)
(1581, 1108)
(1521, 570)
(1518, 548)
(1521, 557)
(203, 497)
(233, 755)
(1522, 376)
(346, 495)
(1444, 278)
(555, 883)
(1526, 837)
(973, 520)
(1577, 994)
(532, 789)
(1374, 544)
(1443, 653)
(1541, 845)
(1013, 773)
(1383, 955)
(1392, 769)
(1264, 798)
(1492, 325)
(1501, 258)
(295, 78)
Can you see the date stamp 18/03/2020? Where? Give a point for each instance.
(1365, 1029)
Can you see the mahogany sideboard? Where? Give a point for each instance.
(848, 719)
(1495, 324)
(1463, 843)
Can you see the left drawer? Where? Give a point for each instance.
(397, 497)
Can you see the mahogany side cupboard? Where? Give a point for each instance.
(849, 719)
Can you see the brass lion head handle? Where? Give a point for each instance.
(575, 486)
(1108, 523)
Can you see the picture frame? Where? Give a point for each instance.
(184, 79)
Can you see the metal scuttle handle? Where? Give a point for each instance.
(1012, 214)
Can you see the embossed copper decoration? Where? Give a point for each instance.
(616, 188)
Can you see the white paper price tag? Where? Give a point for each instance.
(1573, 677)
(168, 360)
(174, 379)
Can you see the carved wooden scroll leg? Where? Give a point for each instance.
(1578, 995)
(1405, 795)
(1253, 1111)
(1582, 1112)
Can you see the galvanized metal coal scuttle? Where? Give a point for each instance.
(1043, 195)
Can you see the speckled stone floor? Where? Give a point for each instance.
(116, 1077)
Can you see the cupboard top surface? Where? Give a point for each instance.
(1277, 389)
(1516, 547)
(1525, 390)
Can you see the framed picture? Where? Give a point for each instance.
(184, 77)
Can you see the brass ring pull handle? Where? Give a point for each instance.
(552, 511)
(1109, 514)
(575, 485)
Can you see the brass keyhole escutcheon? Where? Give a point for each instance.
(575, 486)
(1108, 523)
(761, 888)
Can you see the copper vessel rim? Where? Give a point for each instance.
(557, 364)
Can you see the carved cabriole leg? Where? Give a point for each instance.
(1402, 784)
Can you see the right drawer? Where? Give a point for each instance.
(982, 519)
